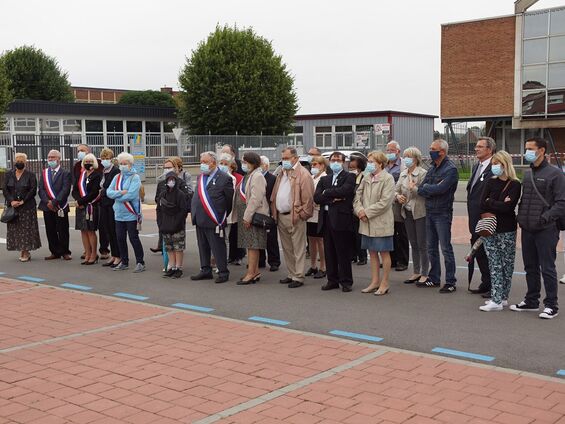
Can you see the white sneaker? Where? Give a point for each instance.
(548, 313)
(491, 306)
(139, 268)
(504, 302)
(562, 281)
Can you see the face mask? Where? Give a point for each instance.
(20, 165)
(530, 156)
(106, 163)
(354, 171)
(309, 159)
(52, 164)
(497, 170)
(408, 162)
(336, 167)
(434, 155)
(81, 155)
(225, 168)
(167, 171)
(286, 164)
(171, 183)
(124, 168)
(315, 171)
(371, 167)
(88, 166)
(204, 168)
(391, 156)
(244, 167)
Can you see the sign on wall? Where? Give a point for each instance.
(382, 129)
(137, 146)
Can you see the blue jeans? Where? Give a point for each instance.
(438, 232)
(123, 230)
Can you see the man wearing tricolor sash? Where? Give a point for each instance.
(210, 206)
(54, 188)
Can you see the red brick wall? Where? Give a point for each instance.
(477, 68)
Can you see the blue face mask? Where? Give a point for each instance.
(244, 167)
(286, 164)
(391, 156)
(106, 163)
(408, 162)
(434, 155)
(124, 168)
(204, 168)
(336, 167)
(52, 164)
(225, 168)
(497, 169)
(309, 159)
(315, 171)
(530, 156)
(371, 167)
(81, 155)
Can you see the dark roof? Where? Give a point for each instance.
(367, 114)
(41, 107)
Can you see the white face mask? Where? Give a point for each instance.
(171, 183)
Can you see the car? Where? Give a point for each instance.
(347, 153)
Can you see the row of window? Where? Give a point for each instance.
(96, 126)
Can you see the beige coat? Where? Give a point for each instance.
(301, 193)
(375, 198)
(417, 202)
(316, 179)
(255, 191)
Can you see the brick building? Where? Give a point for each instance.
(508, 71)
(105, 95)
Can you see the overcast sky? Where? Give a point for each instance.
(345, 55)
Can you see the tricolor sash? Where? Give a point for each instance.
(207, 204)
(242, 191)
(128, 205)
(82, 180)
(49, 188)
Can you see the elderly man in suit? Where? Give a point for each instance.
(484, 149)
(211, 204)
(334, 194)
(273, 255)
(54, 188)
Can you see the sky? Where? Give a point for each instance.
(345, 56)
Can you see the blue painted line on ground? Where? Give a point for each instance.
(131, 296)
(192, 307)
(268, 320)
(561, 373)
(75, 286)
(358, 336)
(30, 278)
(468, 355)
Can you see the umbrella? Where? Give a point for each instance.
(165, 257)
(470, 258)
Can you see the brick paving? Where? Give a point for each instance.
(68, 357)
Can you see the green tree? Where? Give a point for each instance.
(5, 95)
(35, 75)
(147, 98)
(234, 82)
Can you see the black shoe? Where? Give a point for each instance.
(223, 279)
(177, 273)
(486, 295)
(412, 280)
(448, 288)
(401, 267)
(524, 307)
(427, 283)
(202, 276)
(354, 260)
(362, 262)
(311, 271)
(274, 268)
(155, 250)
(286, 281)
(295, 284)
(346, 289)
(169, 273)
(329, 286)
(480, 290)
(320, 274)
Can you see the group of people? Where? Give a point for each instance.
(335, 209)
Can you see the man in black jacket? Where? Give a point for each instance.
(538, 214)
(211, 204)
(484, 149)
(54, 188)
(273, 253)
(334, 193)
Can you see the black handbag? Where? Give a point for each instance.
(262, 221)
(9, 214)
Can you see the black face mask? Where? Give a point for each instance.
(88, 166)
(20, 165)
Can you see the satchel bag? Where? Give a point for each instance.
(9, 214)
(486, 226)
(561, 220)
(262, 221)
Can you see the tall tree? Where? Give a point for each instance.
(35, 75)
(234, 82)
(5, 95)
(147, 98)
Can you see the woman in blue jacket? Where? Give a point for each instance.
(124, 189)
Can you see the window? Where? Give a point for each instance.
(72, 125)
(298, 130)
(557, 22)
(49, 125)
(168, 126)
(556, 101)
(536, 24)
(343, 128)
(152, 127)
(363, 128)
(533, 77)
(556, 49)
(533, 103)
(535, 51)
(114, 126)
(324, 137)
(93, 126)
(134, 126)
(344, 139)
(24, 124)
(556, 75)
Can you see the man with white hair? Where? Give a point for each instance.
(438, 188)
(211, 205)
(54, 188)
(273, 255)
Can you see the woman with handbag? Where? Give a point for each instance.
(20, 187)
(498, 202)
(250, 200)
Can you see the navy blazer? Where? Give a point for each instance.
(220, 192)
(61, 185)
(474, 195)
(340, 212)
